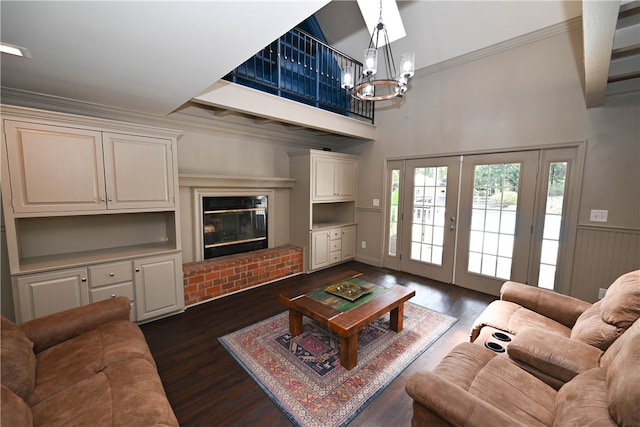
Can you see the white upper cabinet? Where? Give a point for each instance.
(139, 171)
(333, 179)
(65, 169)
(54, 168)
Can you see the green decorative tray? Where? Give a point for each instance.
(348, 290)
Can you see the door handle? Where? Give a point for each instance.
(452, 227)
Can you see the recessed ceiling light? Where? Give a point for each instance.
(14, 50)
(390, 16)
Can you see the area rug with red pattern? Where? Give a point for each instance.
(303, 375)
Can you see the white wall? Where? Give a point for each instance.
(529, 96)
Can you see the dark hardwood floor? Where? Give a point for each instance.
(207, 387)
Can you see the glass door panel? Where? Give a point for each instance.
(393, 218)
(430, 214)
(496, 214)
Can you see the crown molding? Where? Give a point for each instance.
(544, 33)
(270, 133)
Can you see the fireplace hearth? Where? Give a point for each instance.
(234, 224)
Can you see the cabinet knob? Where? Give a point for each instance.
(102, 199)
(110, 199)
(137, 270)
(113, 295)
(111, 274)
(84, 279)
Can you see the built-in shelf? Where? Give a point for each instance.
(76, 259)
(333, 224)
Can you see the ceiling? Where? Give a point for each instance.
(154, 56)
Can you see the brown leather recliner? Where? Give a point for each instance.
(474, 386)
(522, 306)
(556, 336)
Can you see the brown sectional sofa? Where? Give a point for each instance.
(85, 366)
(474, 386)
(567, 362)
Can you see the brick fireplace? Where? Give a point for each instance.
(216, 277)
(206, 279)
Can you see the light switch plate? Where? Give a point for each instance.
(599, 215)
(376, 202)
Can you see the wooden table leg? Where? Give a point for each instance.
(295, 322)
(349, 351)
(396, 317)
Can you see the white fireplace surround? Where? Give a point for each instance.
(228, 186)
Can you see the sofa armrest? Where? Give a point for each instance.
(554, 355)
(454, 404)
(53, 329)
(559, 307)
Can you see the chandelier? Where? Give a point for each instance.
(393, 84)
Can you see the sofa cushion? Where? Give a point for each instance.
(621, 304)
(14, 411)
(623, 379)
(17, 360)
(583, 401)
(500, 383)
(511, 317)
(125, 393)
(81, 357)
(591, 329)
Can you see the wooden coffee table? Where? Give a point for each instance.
(348, 323)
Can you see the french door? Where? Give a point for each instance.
(426, 211)
(480, 220)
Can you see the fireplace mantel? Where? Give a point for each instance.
(225, 181)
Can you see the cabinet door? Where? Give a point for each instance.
(138, 172)
(323, 179)
(37, 295)
(158, 286)
(320, 249)
(345, 180)
(54, 168)
(348, 242)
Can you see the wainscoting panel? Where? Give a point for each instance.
(601, 256)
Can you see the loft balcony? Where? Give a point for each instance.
(295, 69)
(300, 67)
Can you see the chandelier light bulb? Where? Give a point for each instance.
(407, 64)
(347, 77)
(368, 90)
(370, 62)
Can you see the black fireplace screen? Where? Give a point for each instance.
(234, 224)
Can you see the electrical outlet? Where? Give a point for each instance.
(363, 244)
(599, 215)
(601, 293)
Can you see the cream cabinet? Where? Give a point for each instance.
(333, 179)
(155, 286)
(348, 242)
(112, 280)
(323, 206)
(87, 204)
(58, 168)
(320, 249)
(37, 295)
(332, 245)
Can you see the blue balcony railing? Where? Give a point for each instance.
(298, 66)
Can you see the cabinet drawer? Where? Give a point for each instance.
(335, 257)
(335, 245)
(335, 233)
(108, 274)
(106, 292)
